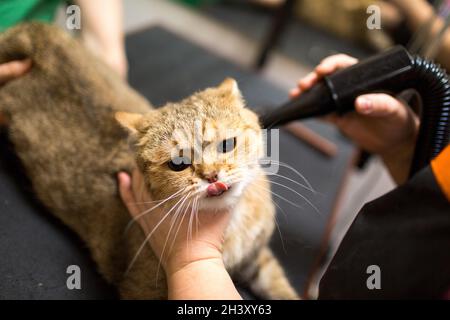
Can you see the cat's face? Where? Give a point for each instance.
(203, 151)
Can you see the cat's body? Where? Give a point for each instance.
(61, 122)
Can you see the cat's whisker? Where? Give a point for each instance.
(178, 229)
(275, 217)
(293, 181)
(292, 190)
(150, 234)
(308, 186)
(281, 197)
(147, 202)
(188, 231)
(285, 165)
(191, 219)
(262, 199)
(189, 216)
(162, 201)
(172, 223)
(196, 205)
(233, 179)
(139, 216)
(195, 193)
(297, 193)
(195, 214)
(275, 194)
(233, 172)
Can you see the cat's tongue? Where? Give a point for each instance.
(216, 189)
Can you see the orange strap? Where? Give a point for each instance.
(441, 169)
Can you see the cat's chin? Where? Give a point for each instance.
(225, 201)
(220, 203)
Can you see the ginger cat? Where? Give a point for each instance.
(61, 119)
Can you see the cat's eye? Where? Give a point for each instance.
(179, 163)
(226, 145)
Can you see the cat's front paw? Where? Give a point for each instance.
(270, 281)
(286, 292)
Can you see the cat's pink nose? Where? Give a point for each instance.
(216, 189)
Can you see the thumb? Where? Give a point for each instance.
(13, 69)
(126, 192)
(380, 105)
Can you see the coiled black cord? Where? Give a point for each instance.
(433, 86)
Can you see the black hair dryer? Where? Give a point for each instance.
(392, 71)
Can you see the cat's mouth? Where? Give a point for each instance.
(221, 194)
(217, 188)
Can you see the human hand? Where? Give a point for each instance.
(9, 71)
(13, 69)
(177, 242)
(381, 124)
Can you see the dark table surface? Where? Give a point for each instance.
(36, 250)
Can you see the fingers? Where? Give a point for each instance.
(13, 69)
(294, 92)
(333, 63)
(126, 193)
(380, 105)
(308, 81)
(327, 66)
(138, 187)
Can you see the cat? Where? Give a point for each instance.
(75, 124)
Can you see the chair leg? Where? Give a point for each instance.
(279, 23)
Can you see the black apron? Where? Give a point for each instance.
(398, 247)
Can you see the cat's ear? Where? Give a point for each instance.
(230, 86)
(130, 121)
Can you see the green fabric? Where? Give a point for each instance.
(13, 12)
(197, 3)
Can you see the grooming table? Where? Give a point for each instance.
(36, 249)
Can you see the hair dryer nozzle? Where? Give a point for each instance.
(391, 71)
(386, 71)
(315, 102)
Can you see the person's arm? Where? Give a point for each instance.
(194, 266)
(417, 13)
(102, 31)
(202, 280)
(382, 124)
